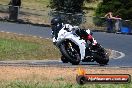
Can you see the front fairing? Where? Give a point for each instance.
(64, 35)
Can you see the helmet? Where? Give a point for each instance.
(56, 21)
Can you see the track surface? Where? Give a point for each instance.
(118, 42)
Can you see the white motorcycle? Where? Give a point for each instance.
(74, 48)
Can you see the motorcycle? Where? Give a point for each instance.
(75, 48)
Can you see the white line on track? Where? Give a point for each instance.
(117, 54)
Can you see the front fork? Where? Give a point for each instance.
(70, 46)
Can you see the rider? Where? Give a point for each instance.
(57, 25)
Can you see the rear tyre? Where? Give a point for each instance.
(101, 56)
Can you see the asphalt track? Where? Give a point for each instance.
(118, 42)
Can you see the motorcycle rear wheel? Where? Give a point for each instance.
(103, 60)
(101, 56)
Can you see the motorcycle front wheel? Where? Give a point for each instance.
(72, 55)
(64, 59)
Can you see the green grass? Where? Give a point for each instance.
(35, 84)
(14, 47)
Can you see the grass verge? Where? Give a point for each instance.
(20, 47)
(21, 84)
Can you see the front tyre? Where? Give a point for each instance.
(73, 56)
(64, 59)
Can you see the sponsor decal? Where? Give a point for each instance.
(83, 78)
